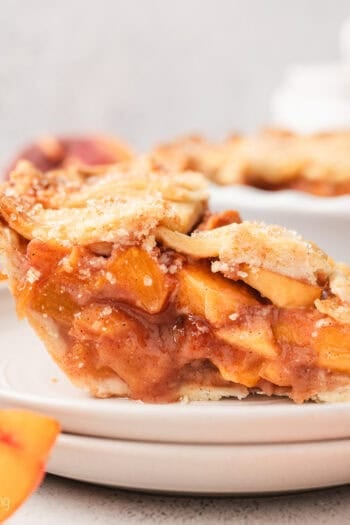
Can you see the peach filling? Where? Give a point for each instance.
(159, 321)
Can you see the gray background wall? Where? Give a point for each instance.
(149, 69)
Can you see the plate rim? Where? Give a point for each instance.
(126, 419)
(192, 468)
(295, 201)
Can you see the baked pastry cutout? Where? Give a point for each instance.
(272, 160)
(138, 290)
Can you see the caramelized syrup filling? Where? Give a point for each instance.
(160, 321)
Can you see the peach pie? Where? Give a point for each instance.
(272, 160)
(138, 290)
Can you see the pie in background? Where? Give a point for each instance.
(271, 160)
(138, 290)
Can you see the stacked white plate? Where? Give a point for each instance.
(258, 445)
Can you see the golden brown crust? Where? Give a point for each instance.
(271, 247)
(126, 204)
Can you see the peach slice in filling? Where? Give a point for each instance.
(132, 275)
(140, 276)
(253, 335)
(243, 368)
(210, 295)
(332, 344)
(274, 372)
(55, 302)
(280, 289)
(295, 326)
(312, 353)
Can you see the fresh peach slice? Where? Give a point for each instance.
(25, 442)
(142, 279)
(256, 337)
(210, 295)
(282, 291)
(332, 345)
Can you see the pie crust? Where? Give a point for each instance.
(138, 290)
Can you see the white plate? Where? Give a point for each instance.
(323, 220)
(26, 380)
(204, 469)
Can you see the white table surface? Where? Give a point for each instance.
(60, 501)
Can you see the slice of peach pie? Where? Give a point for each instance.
(139, 291)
